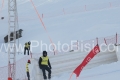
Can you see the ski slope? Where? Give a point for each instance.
(103, 72)
(79, 25)
(101, 65)
(65, 20)
(76, 24)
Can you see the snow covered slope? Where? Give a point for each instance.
(66, 63)
(65, 20)
(93, 22)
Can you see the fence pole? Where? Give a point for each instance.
(42, 15)
(63, 11)
(54, 51)
(97, 40)
(85, 8)
(31, 54)
(116, 38)
(77, 44)
(110, 4)
(105, 41)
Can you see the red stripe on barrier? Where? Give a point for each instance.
(86, 60)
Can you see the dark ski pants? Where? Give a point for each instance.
(44, 68)
(28, 75)
(25, 51)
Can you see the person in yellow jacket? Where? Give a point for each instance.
(27, 47)
(27, 69)
(44, 64)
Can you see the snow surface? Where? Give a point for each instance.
(75, 24)
(59, 62)
(99, 20)
(103, 72)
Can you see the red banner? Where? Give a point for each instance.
(87, 59)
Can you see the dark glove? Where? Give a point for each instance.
(40, 68)
(50, 67)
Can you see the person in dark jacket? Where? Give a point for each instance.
(27, 47)
(44, 65)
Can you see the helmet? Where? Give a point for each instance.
(29, 42)
(29, 61)
(44, 53)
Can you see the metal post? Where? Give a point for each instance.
(77, 45)
(116, 38)
(97, 40)
(105, 41)
(12, 13)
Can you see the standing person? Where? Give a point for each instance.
(27, 69)
(27, 47)
(44, 64)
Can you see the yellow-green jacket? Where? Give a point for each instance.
(44, 61)
(27, 45)
(27, 68)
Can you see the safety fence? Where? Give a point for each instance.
(80, 8)
(70, 10)
(102, 41)
(21, 72)
(115, 39)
